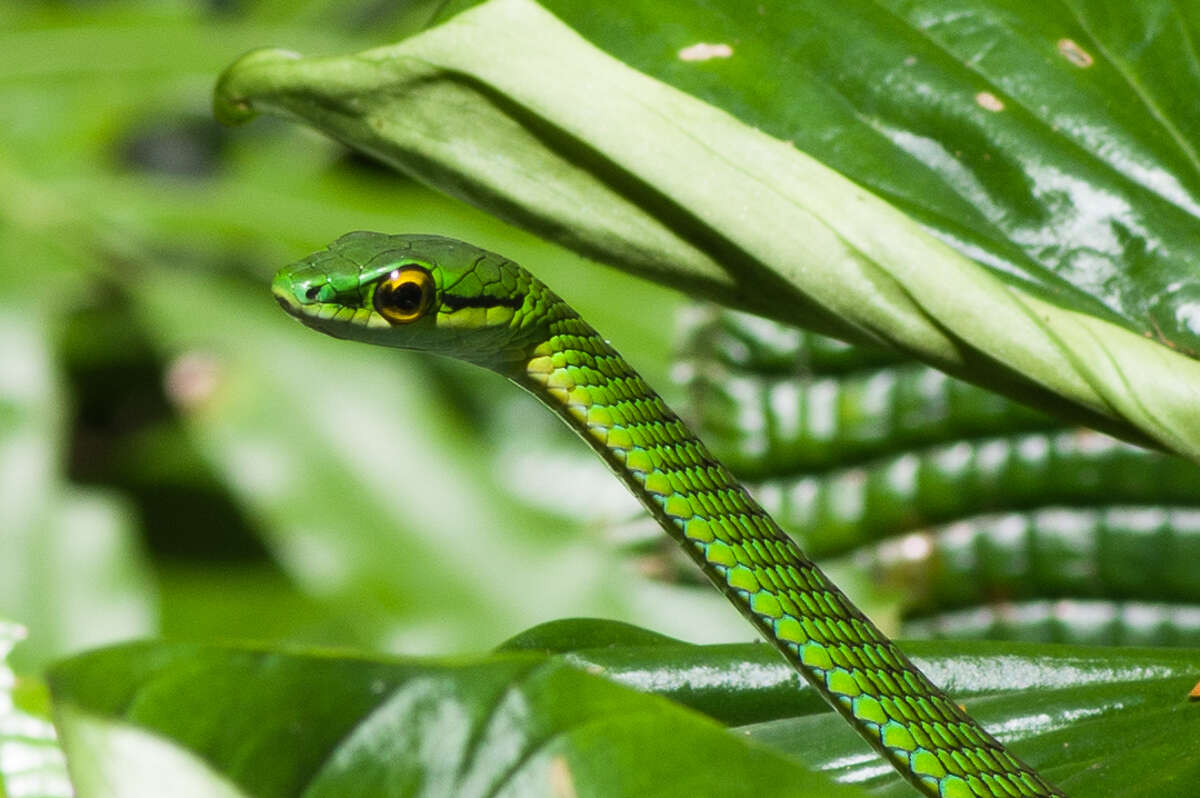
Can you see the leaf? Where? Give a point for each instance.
(776, 402)
(268, 723)
(1114, 736)
(980, 517)
(662, 183)
(1040, 139)
(263, 724)
(576, 633)
(1070, 711)
(749, 684)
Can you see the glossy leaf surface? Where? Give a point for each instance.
(264, 724)
(664, 183)
(1070, 710)
(254, 722)
(1052, 142)
(1115, 737)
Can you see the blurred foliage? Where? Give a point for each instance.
(178, 457)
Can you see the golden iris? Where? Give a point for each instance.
(405, 295)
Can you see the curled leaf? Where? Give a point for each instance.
(637, 173)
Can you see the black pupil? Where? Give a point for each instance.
(406, 297)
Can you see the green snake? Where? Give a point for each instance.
(451, 298)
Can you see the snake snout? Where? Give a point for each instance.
(288, 292)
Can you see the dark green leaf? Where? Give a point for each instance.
(1044, 140)
(273, 723)
(1071, 711)
(270, 724)
(577, 633)
(1116, 724)
(750, 683)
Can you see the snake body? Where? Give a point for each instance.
(451, 298)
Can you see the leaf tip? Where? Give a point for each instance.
(231, 101)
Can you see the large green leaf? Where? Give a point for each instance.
(240, 721)
(1071, 710)
(154, 719)
(748, 683)
(1044, 140)
(642, 175)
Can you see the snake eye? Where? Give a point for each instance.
(405, 295)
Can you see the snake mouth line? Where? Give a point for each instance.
(321, 311)
(324, 314)
(290, 305)
(281, 290)
(302, 310)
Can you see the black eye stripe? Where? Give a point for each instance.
(455, 302)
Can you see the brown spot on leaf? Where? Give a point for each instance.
(989, 101)
(1078, 56)
(705, 52)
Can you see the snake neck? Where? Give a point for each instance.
(864, 676)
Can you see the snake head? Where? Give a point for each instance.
(417, 292)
